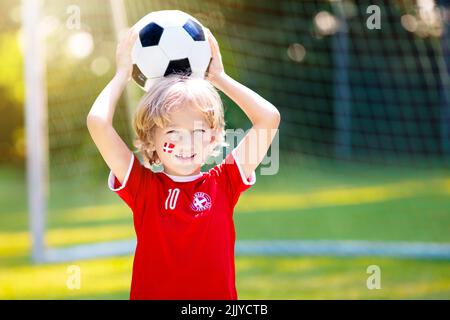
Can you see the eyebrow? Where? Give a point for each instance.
(178, 127)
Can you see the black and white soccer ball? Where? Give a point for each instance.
(170, 41)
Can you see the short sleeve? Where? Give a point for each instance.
(233, 177)
(136, 179)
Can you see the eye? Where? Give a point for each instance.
(200, 130)
(170, 131)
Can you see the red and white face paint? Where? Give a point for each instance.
(168, 147)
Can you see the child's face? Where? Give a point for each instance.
(185, 143)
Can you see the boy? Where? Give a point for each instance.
(183, 217)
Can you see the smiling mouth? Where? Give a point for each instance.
(185, 157)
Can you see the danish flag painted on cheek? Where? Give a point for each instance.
(168, 147)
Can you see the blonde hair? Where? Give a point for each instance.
(165, 97)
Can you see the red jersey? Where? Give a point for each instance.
(185, 230)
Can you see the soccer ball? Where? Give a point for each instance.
(170, 41)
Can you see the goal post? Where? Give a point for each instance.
(120, 24)
(35, 126)
(37, 134)
(370, 97)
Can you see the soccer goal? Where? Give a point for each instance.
(356, 85)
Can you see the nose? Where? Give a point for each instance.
(185, 146)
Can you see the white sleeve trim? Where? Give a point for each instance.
(111, 177)
(252, 179)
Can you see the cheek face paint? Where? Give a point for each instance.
(168, 147)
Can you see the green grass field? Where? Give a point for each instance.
(349, 203)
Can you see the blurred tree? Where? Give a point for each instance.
(10, 20)
(11, 99)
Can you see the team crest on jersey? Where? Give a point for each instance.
(201, 202)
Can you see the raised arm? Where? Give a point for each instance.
(113, 149)
(264, 116)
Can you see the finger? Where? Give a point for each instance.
(213, 49)
(133, 36)
(123, 34)
(211, 35)
(215, 41)
(132, 33)
(211, 40)
(211, 43)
